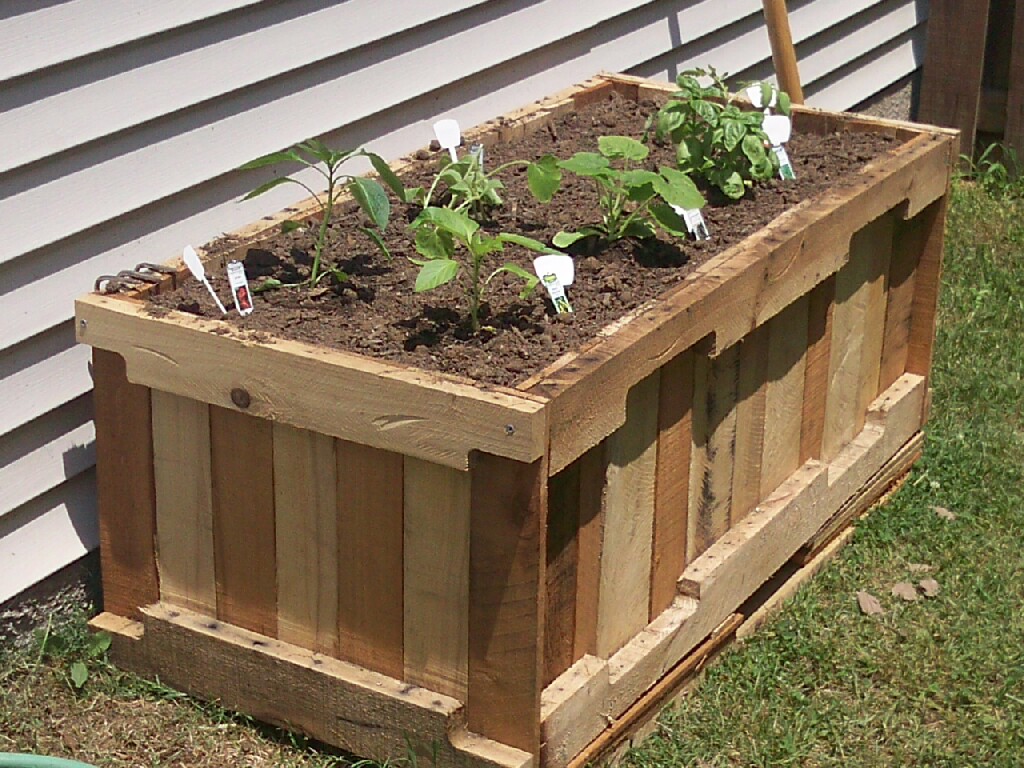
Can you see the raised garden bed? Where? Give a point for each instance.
(497, 573)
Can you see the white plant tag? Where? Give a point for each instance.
(240, 288)
(695, 223)
(195, 266)
(559, 263)
(449, 136)
(778, 129)
(754, 94)
(547, 268)
(785, 167)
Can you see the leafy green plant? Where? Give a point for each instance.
(472, 189)
(78, 651)
(368, 193)
(997, 170)
(714, 138)
(634, 201)
(453, 244)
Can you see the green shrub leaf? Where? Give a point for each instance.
(289, 156)
(669, 220)
(387, 175)
(525, 242)
(676, 188)
(436, 273)
(269, 186)
(79, 674)
(544, 177)
(585, 164)
(458, 224)
(565, 239)
(622, 146)
(372, 199)
(434, 243)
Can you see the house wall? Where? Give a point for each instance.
(121, 123)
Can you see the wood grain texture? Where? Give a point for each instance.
(672, 482)
(784, 397)
(624, 602)
(371, 536)
(783, 53)
(878, 245)
(562, 560)
(820, 305)
(306, 514)
(716, 383)
(244, 536)
(1013, 135)
(437, 544)
(184, 502)
(926, 289)
(750, 421)
(124, 488)
(953, 64)
(593, 470)
(908, 241)
(506, 600)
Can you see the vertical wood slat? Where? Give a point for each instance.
(1014, 132)
(625, 590)
(593, 470)
(879, 253)
(242, 461)
(953, 66)
(786, 374)
(437, 545)
(562, 559)
(371, 543)
(184, 502)
(714, 429)
(506, 600)
(305, 482)
(124, 487)
(750, 422)
(926, 288)
(908, 239)
(672, 481)
(820, 305)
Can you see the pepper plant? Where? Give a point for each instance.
(452, 245)
(634, 201)
(368, 193)
(714, 138)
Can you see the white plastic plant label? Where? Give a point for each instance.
(550, 268)
(240, 288)
(785, 167)
(195, 266)
(778, 129)
(695, 223)
(756, 96)
(477, 151)
(449, 136)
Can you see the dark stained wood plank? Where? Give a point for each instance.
(560, 575)
(751, 402)
(926, 289)
(821, 302)
(244, 542)
(506, 599)
(124, 487)
(591, 535)
(1014, 133)
(908, 240)
(370, 506)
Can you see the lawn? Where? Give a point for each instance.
(935, 681)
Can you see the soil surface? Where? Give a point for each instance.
(376, 312)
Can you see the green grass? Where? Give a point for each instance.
(936, 682)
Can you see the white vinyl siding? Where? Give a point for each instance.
(122, 121)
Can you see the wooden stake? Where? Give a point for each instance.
(783, 53)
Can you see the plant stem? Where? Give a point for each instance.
(314, 272)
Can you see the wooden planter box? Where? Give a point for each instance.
(381, 556)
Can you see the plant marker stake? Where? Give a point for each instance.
(695, 223)
(778, 129)
(551, 268)
(449, 136)
(477, 151)
(240, 288)
(195, 266)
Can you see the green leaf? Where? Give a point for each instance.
(290, 225)
(317, 149)
(79, 674)
(529, 278)
(669, 118)
(544, 177)
(458, 224)
(98, 643)
(785, 105)
(565, 239)
(269, 186)
(274, 158)
(668, 220)
(622, 146)
(733, 134)
(753, 148)
(525, 242)
(676, 188)
(586, 164)
(640, 184)
(640, 228)
(707, 111)
(733, 186)
(766, 94)
(372, 199)
(414, 195)
(387, 175)
(436, 273)
(377, 240)
(434, 243)
(268, 285)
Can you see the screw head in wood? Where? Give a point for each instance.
(240, 398)
(510, 429)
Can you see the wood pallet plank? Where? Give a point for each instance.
(907, 242)
(820, 304)
(1014, 133)
(593, 469)
(562, 559)
(926, 290)
(371, 534)
(878, 248)
(245, 558)
(184, 502)
(125, 487)
(750, 422)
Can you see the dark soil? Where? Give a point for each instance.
(377, 313)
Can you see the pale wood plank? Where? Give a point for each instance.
(926, 289)
(124, 487)
(750, 422)
(908, 241)
(787, 363)
(672, 484)
(184, 502)
(305, 483)
(821, 302)
(371, 536)
(242, 463)
(506, 600)
(877, 245)
(628, 521)
(437, 519)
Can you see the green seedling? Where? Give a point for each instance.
(475, 191)
(714, 138)
(453, 245)
(634, 201)
(368, 193)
